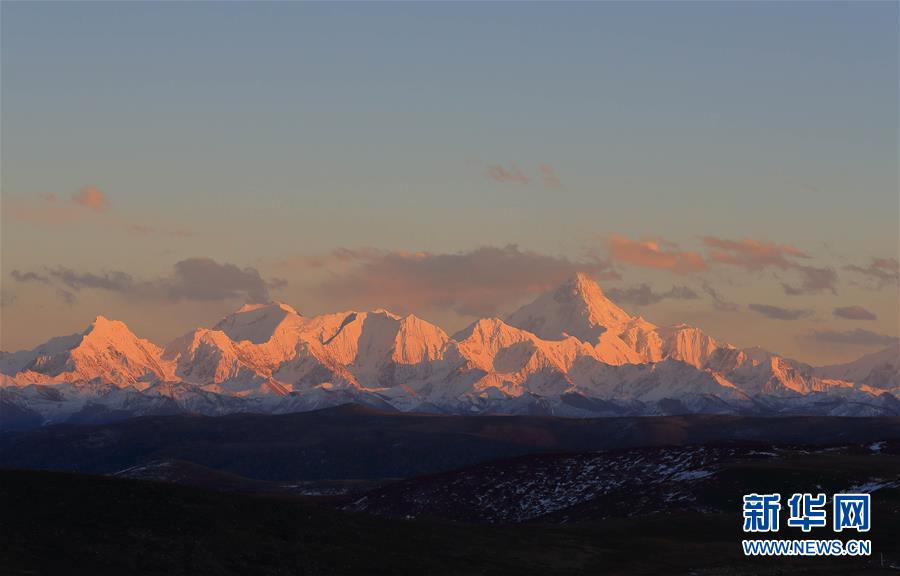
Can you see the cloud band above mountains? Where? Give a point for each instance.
(197, 279)
(477, 282)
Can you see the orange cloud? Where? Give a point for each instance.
(654, 253)
(500, 174)
(93, 198)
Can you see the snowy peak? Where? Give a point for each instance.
(491, 344)
(687, 344)
(107, 350)
(418, 341)
(105, 332)
(268, 305)
(578, 308)
(487, 330)
(482, 340)
(258, 323)
(370, 339)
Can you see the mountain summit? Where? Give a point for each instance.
(107, 350)
(258, 323)
(578, 308)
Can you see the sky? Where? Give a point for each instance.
(729, 165)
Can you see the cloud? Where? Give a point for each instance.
(854, 313)
(498, 173)
(206, 279)
(115, 281)
(150, 230)
(551, 178)
(479, 282)
(29, 277)
(779, 313)
(89, 202)
(881, 271)
(719, 302)
(813, 280)
(858, 337)
(193, 279)
(752, 254)
(66, 296)
(643, 295)
(654, 253)
(91, 197)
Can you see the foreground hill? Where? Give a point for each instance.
(571, 352)
(54, 523)
(637, 482)
(357, 442)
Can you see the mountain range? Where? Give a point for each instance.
(570, 352)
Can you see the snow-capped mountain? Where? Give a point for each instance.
(107, 351)
(878, 370)
(572, 351)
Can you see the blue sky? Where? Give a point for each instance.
(274, 132)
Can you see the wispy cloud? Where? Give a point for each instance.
(654, 253)
(66, 296)
(880, 272)
(755, 255)
(19, 276)
(719, 301)
(513, 175)
(779, 313)
(752, 254)
(192, 279)
(115, 281)
(152, 230)
(854, 313)
(857, 337)
(812, 280)
(643, 294)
